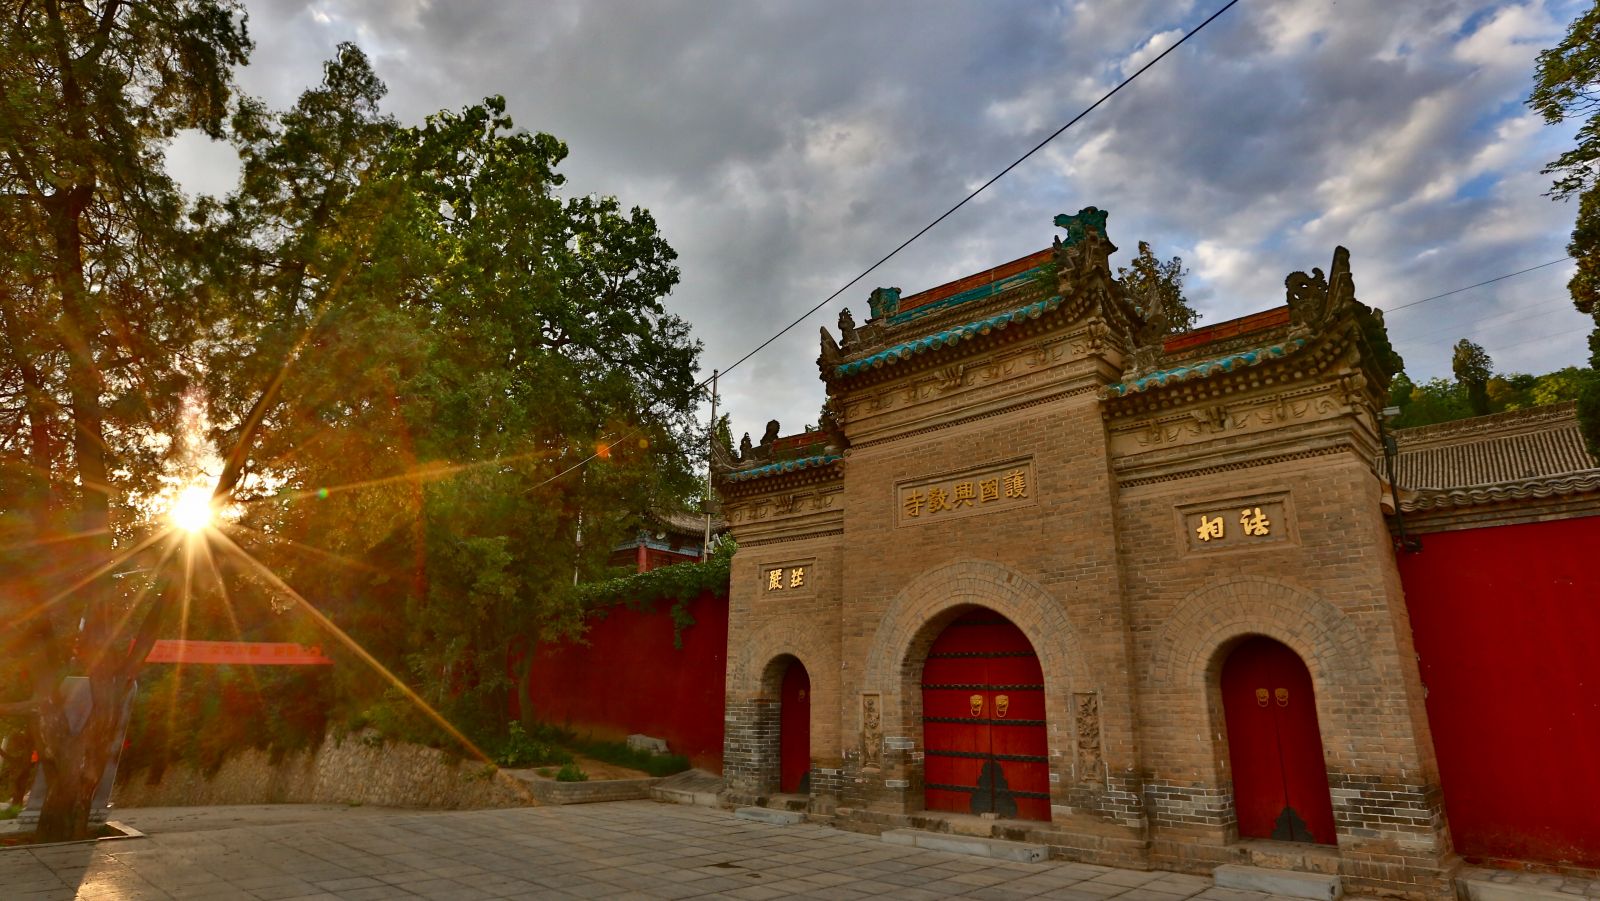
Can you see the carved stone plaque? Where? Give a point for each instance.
(871, 731)
(1086, 723)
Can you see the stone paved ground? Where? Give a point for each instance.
(636, 849)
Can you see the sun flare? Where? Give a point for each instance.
(193, 510)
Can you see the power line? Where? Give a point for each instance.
(1505, 347)
(920, 232)
(981, 188)
(1498, 278)
(1459, 328)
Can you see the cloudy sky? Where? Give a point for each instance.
(784, 146)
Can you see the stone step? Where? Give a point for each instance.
(1318, 886)
(696, 787)
(683, 796)
(993, 848)
(767, 815)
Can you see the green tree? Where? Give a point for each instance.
(99, 301)
(1472, 368)
(426, 337)
(1401, 391)
(1560, 386)
(1436, 400)
(1567, 87)
(1157, 289)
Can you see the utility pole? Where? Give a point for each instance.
(577, 551)
(711, 443)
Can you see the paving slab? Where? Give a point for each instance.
(626, 849)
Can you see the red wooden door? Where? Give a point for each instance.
(1280, 783)
(983, 721)
(794, 729)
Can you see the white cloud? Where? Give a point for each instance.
(784, 146)
(202, 166)
(1149, 50)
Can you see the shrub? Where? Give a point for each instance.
(570, 773)
(519, 749)
(633, 758)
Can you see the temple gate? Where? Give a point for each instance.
(1020, 465)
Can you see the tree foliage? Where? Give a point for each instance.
(1472, 368)
(403, 342)
(101, 308)
(1567, 87)
(457, 335)
(1157, 288)
(1443, 400)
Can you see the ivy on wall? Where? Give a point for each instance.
(679, 583)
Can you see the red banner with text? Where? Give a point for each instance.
(238, 653)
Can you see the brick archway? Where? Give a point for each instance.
(1188, 652)
(1191, 638)
(751, 752)
(918, 614)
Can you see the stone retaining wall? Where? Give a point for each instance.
(360, 769)
(551, 792)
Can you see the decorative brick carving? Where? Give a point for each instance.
(871, 731)
(1086, 726)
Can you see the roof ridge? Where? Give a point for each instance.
(1493, 425)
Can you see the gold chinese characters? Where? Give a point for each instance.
(1252, 521)
(781, 578)
(965, 493)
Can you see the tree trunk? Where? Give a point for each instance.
(78, 761)
(73, 763)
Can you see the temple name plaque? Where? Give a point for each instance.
(1001, 486)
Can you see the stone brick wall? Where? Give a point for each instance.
(352, 771)
(750, 739)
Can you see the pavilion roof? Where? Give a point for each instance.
(1533, 452)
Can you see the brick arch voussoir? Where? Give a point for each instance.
(776, 639)
(1327, 640)
(1040, 616)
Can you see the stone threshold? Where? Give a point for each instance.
(1292, 883)
(992, 848)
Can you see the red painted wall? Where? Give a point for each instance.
(1507, 626)
(629, 678)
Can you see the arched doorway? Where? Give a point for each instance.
(1280, 783)
(794, 729)
(983, 735)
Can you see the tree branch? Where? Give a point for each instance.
(19, 708)
(103, 32)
